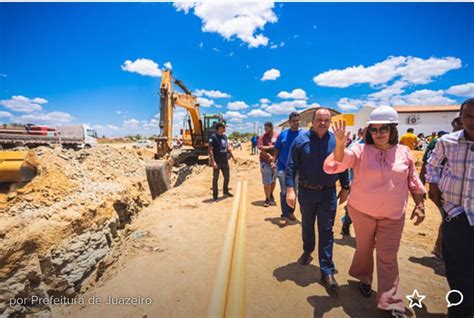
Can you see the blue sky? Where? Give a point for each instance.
(67, 63)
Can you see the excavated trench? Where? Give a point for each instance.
(91, 243)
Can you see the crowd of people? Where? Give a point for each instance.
(376, 172)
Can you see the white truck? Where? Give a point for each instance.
(79, 136)
(69, 136)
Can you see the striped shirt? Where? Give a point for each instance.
(456, 178)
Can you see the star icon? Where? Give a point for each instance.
(415, 299)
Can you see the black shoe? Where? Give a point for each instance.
(305, 259)
(215, 199)
(228, 194)
(266, 203)
(346, 230)
(398, 314)
(272, 199)
(329, 281)
(365, 289)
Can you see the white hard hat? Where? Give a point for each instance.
(383, 115)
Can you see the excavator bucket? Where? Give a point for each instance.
(158, 173)
(17, 166)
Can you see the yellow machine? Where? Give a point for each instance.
(17, 166)
(195, 136)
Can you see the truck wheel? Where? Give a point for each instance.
(87, 146)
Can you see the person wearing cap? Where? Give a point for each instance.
(384, 173)
(450, 173)
(316, 192)
(267, 162)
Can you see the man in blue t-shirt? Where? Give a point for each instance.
(254, 141)
(218, 150)
(282, 147)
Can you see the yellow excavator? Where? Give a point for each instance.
(195, 135)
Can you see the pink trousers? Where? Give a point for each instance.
(384, 236)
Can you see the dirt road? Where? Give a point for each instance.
(172, 255)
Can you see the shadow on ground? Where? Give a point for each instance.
(433, 262)
(275, 220)
(346, 241)
(301, 275)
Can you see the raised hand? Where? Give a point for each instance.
(339, 129)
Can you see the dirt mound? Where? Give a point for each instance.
(57, 228)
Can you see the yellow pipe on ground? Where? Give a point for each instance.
(217, 306)
(17, 166)
(235, 306)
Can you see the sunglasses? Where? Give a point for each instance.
(382, 130)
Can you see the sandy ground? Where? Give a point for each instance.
(177, 240)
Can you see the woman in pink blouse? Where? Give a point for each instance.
(384, 173)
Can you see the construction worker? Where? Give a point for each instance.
(219, 149)
(266, 144)
(450, 174)
(409, 139)
(316, 192)
(384, 173)
(282, 147)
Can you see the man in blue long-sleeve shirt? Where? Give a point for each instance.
(316, 191)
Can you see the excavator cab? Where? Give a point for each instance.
(210, 122)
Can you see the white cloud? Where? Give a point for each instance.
(3, 75)
(142, 66)
(234, 115)
(395, 89)
(422, 97)
(131, 123)
(420, 71)
(409, 69)
(297, 93)
(240, 127)
(239, 105)
(23, 104)
(168, 65)
(271, 75)
(264, 100)
(464, 90)
(416, 98)
(273, 46)
(233, 19)
(287, 107)
(204, 102)
(201, 45)
(54, 118)
(258, 113)
(211, 93)
(5, 114)
(348, 104)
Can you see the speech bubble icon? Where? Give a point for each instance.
(454, 292)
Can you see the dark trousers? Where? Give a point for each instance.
(322, 205)
(458, 255)
(286, 210)
(224, 167)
